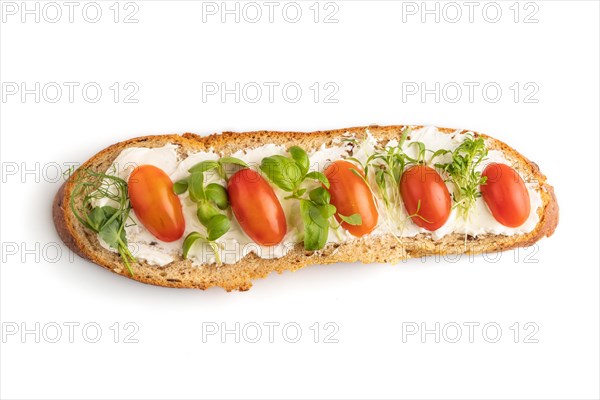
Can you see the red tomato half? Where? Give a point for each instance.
(155, 204)
(351, 195)
(425, 196)
(506, 195)
(256, 207)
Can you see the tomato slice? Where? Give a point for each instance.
(350, 194)
(257, 208)
(506, 195)
(155, 204)
(425, 197)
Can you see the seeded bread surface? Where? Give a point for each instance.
(239, 276)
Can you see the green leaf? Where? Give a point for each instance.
(301, 158)
(318, 176)
(439, 153)
(357, 173)
(360, 175)
(97, 218)
(380, 178)
(217, 194)
(318, 215)
(204, 166)
(108, 222)
(315, 234)
(357, 161)
(181, 186)
(110, 233)
(327, 211)
(463, 175)
(282, 171)
(110, 214)
(319, 196)
(232, 160)
(217, 227)
(300, 192)
(354, 219)
(206, 212)
(420, 150)
(196, 186)
(405, 133)
(189, 242)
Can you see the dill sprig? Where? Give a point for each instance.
(108, 221)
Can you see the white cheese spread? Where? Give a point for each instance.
(235, 244)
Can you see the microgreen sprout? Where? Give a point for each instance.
(110, 220)
(211, 199)
(463, 172)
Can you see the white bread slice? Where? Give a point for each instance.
(239, 276)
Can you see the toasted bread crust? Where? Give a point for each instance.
(239, 276)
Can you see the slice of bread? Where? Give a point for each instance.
(239, 276)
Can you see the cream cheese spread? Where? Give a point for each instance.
(235, 244)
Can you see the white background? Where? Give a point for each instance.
(368, 54)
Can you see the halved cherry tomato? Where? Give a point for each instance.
(425, 197)
(155, 204)
(256, 207)
(351, 195)
(506, 195)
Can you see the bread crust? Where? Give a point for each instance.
(239, 276)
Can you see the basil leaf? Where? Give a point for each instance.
(328, 210)
(217, 194)
(315, 234)
(301, 158)
(217, 227)
(196, 186)
(319, 196)
(204, 166)
(300, 192)
(206, 212)
(318, 176)
(317, 215)
(282, 171)
(180, 186)
(189, 242)
(354, 219)
(232, 160)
